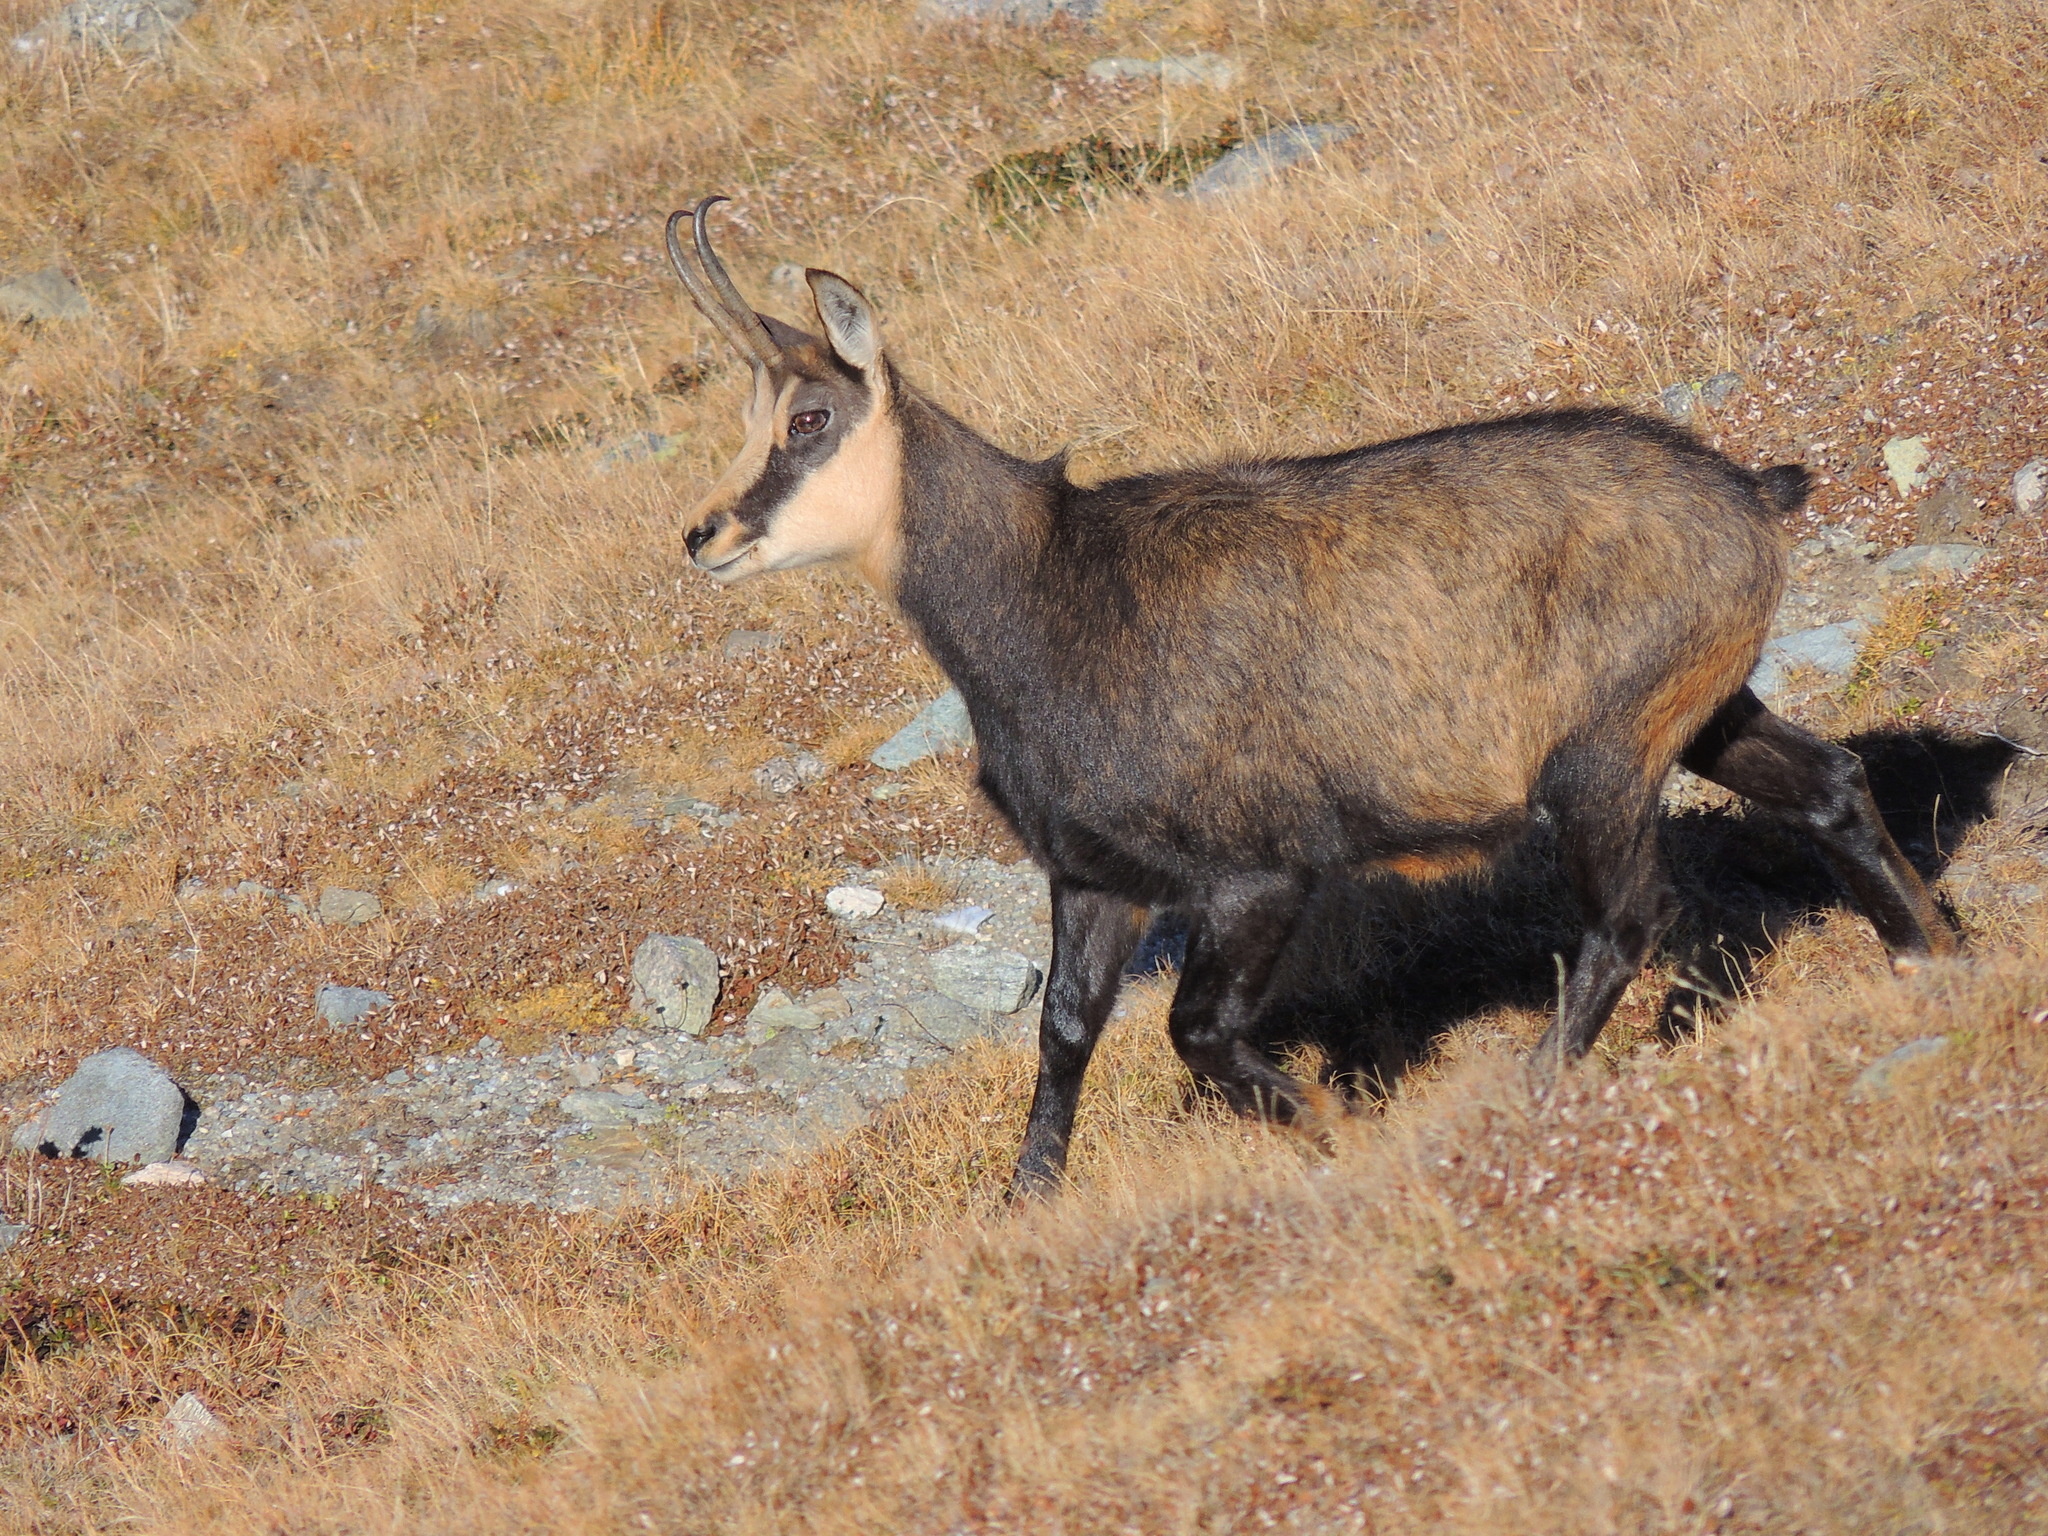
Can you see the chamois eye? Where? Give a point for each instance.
(804, 423)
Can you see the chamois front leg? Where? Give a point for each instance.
(1093, 935)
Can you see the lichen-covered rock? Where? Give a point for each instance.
(994, 980)
(675, 982)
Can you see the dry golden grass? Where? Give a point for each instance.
(1632, 1308)
(371, 286)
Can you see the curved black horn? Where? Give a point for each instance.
(718, 299)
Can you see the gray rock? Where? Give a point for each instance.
(128, 26)
(44, 295)
(941, 726)
(11, 1232)
(1680, 400)
(675, 983)
(1905, 460)
(1830, 650)
(745, 642)
(1261, 159)
(608, 1106)
(775, 1013)
(349, 1005)
(1877, 1080)
(981, 977)
(1202, 69)
(118, 1107)
(2030, 487)
(348, 908)
(931, 1018)
(786, 775)
(1930, 560)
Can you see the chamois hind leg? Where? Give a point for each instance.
(1607, 825)
(1093, 935)
(1821, 787)
(1234, 945)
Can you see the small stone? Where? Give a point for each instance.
(675, 983)
(745, 642)
(1829, 650)
(2030, 487)
(1929, 560)
(1680, 400)
(397, 1077)
(828, 1003)
(348, 908)
(1877, 1080)
(853, 903)
(176, 1174)
(349, 1005)
(967, 920)
(1905, 460)
(44, 295)
(1261, 159)
(12, 1232)
(492, 890)
(941, 726)
(994, 980)
(785, 775)
(775, 1014)
(118, 1107)
(585, 1074)
(190, 1423)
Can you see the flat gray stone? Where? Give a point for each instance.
(44, 295)
(348, 908)
(1830, 650)
(608, 1106)
(941, 726)
(349, 1005)
(931, 1018)
(1261, 159)
(1877, 1080)
(1930, 560)
(118, 1107)
(982, 977)
(675, 983)
(11, 1232)
(771, 1018)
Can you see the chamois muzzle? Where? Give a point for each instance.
(712, 289)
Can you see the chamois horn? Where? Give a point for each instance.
(713, 292)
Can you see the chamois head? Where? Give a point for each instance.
(818, 476)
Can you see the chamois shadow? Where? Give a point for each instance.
(1383, 969)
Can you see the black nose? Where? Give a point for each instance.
(697, 538)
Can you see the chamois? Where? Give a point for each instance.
(1213, 689)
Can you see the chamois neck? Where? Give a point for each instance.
(975, 522)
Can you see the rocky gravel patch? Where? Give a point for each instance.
(643, 1111)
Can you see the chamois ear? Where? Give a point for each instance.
(848, 323)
